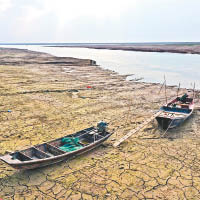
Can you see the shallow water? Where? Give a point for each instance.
(151, 66)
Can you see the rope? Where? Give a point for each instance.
(167, 129)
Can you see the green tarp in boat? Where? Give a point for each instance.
(70, 144)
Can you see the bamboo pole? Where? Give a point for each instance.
(178, 89)
(194, 91)
(138, 128)
(161, 87)
(165, 90)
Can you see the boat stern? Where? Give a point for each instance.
(164, 122)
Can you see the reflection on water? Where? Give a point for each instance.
(183, 68)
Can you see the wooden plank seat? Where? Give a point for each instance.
(184, 105)
(42, 153)
(34, 153)
(54, 149)
(84, 143)
(50, 149)
(21, 156)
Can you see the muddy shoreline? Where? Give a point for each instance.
(49, 97)
(168, 48)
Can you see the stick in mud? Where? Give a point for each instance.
(178, 89)
(165, 90)
(161, 87)
(194, 91)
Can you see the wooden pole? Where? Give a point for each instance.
(161, 87)
(194, 91)
(165, 90)
(178, 88)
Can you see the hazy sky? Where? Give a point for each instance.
(99, 20)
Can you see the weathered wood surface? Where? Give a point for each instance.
(136, 129)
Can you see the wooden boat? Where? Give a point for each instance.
(175, 112)
(52, 152)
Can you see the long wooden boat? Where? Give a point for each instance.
(175, 112)
(57, 150)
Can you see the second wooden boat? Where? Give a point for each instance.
(175, 112)
(59, 149)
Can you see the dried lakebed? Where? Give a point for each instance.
(49, 98)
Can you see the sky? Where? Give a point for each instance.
(24, 21)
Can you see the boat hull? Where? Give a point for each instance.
(167, 123)
(44, 163)
(38, 163)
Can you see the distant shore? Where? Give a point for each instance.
(169, 48)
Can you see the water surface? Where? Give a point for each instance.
(151, 66)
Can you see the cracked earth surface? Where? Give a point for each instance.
(49, 98)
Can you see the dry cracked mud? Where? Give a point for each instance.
(49, 98)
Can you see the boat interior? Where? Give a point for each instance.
(176, 109)
(52, 148)
(179, 105)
